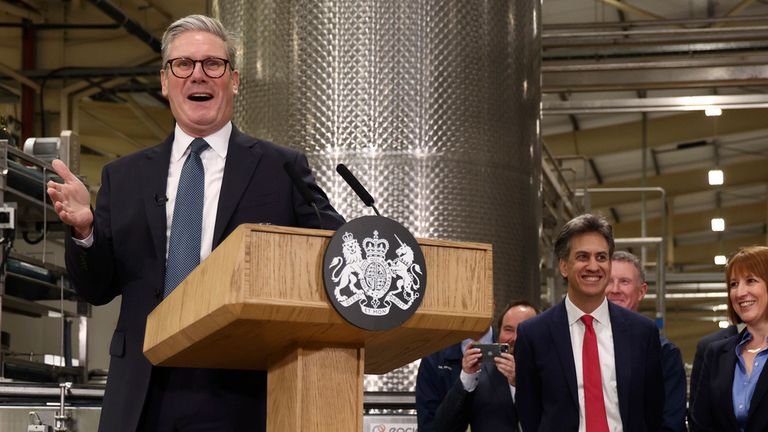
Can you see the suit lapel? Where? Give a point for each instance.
(726, 360)
(622, 355)
(561, 335)
(154, 175)
(243, 156)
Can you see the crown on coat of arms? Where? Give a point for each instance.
(375, 247)
(347, 237)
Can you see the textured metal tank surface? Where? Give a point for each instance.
(433, 104)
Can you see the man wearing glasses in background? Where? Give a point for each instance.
(162, 210)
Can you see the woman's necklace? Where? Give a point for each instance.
(756, 350)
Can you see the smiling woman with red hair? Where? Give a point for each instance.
(733, 394)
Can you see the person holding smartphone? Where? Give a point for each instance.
(483, 397)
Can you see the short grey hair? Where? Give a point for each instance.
(627, 257)
(200, 23)
(583, 224)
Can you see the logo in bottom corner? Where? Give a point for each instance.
(378, 283)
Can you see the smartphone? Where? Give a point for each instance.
(492, 350)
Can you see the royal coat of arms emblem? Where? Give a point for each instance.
(365, 277)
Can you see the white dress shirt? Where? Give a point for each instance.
(604, 334)
(214, 160)
(213, 164)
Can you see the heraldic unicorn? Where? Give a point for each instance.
(368, 281)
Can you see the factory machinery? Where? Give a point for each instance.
(47, 388)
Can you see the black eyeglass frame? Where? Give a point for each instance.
(169, 64)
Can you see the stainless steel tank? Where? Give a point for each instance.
(433, 104)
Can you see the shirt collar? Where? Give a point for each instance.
(601, 314)
(219, 141)
(745, 338)
(743, 341)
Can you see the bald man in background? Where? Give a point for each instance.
(483, 397)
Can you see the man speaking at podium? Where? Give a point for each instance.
(159, 212)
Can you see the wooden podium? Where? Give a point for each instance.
(258, 302)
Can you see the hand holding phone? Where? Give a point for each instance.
(491, 350)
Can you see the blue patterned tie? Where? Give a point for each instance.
(187, 223)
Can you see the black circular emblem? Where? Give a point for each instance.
(374, 273)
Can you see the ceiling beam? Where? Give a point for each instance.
(21, 12)
(649, 79)
(146, 118)
(7, 70)
(698, 221)
(743, 4)
(133, 142)
(674, 129)
(705, 253)
(658, 104)
(634, 10)
(685, 182)
(685, 23)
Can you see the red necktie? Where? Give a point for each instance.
(594, 405)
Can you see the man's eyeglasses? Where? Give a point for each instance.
(183, 67)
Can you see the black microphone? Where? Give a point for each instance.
(351, 180)
(301, 186)
(160, 200)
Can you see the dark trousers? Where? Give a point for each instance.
(205, 400)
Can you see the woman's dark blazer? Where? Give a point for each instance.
(713, 403)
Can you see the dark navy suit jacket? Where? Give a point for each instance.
(675, 390)
(547, 395)
(489, 408)
(713, 405)
(698, 361)
(128, 259)
(438, 372)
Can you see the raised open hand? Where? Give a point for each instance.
(71, 201)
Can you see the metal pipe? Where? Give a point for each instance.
(30, 390)
(751, 32)
(96, 72)
(707, 42)
(130, 25)
(619, 49)
(82, 340)
(669, 64)
(664, 104)
(638, 241)
(62, 417)
(61, 26)
(28, 49)
(643, 183)
(656, 23)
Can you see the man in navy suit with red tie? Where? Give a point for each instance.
(585, 364)
(158, 213)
